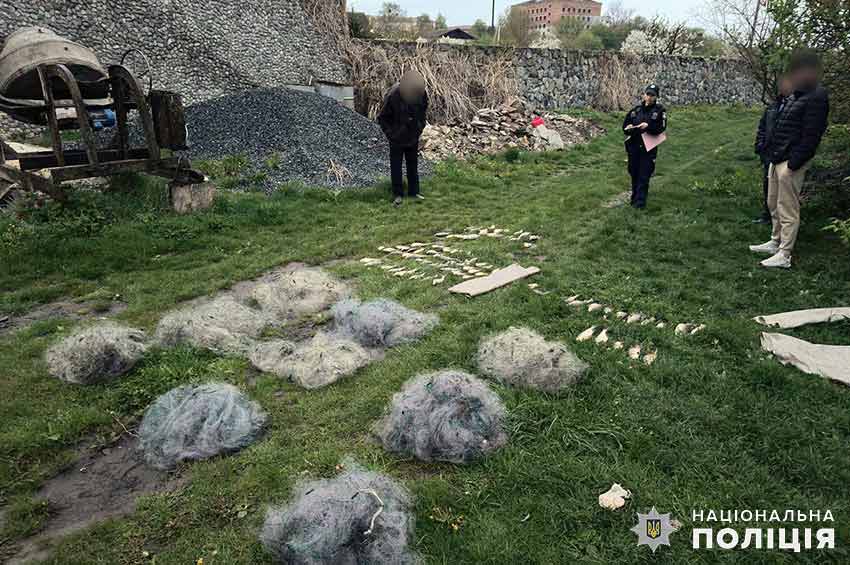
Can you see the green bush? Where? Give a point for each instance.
(841, 228)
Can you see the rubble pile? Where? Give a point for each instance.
(504, 127)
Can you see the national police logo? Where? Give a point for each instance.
(653, 529)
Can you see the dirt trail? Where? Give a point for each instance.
(102, 483)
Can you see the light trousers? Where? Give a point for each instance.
(783, 201)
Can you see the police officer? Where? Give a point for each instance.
(649, 117)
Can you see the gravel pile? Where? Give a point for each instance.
(289, 135)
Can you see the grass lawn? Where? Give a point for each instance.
(713, 424)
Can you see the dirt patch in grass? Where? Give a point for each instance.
(61, 309)
(103, 483)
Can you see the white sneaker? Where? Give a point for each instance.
(779, 261)
(769, 248)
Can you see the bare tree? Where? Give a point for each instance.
(748, 29)
(616, 14)
(516, 28)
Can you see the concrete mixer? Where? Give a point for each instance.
(50, 81)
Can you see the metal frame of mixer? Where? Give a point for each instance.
(45, 171)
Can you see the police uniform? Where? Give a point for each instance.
(641, 161)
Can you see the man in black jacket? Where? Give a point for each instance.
(763, 136)
(795, 139)
(402, 119)
(649, 117)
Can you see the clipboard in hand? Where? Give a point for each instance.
(650, 141)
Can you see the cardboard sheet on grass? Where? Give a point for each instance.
(797, 318)
(497, 279)
(830, 361)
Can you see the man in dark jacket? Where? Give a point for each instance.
(763, 136)
(795, 139)
(649, 117)
(402, 119)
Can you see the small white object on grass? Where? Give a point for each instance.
(614, 498)
(603, 336)
(634, 352)
(620, 315)
(636, 317)
(698, 329)
(594, 307)
(660, 325)
(618, 345)
(650, 358)
(586, 334)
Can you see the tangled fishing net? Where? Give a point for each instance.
(323, 360)
(359, 517)
(444, 416)
(96, 353)
(271, 356)
(198, 422)
(222, 325)
(523, 358)
(296, 293)
(381, 323)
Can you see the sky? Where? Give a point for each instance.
(465, 12)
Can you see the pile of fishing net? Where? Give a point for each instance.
(316, 363)
(221, 324)
(523, 358)
(291, 294)
(444, 416)
(196, 422)
(95, 354)
(381, 323)
(359, 517)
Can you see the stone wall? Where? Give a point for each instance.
(555, 78)
(200, 49)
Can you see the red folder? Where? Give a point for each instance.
(652, 141)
